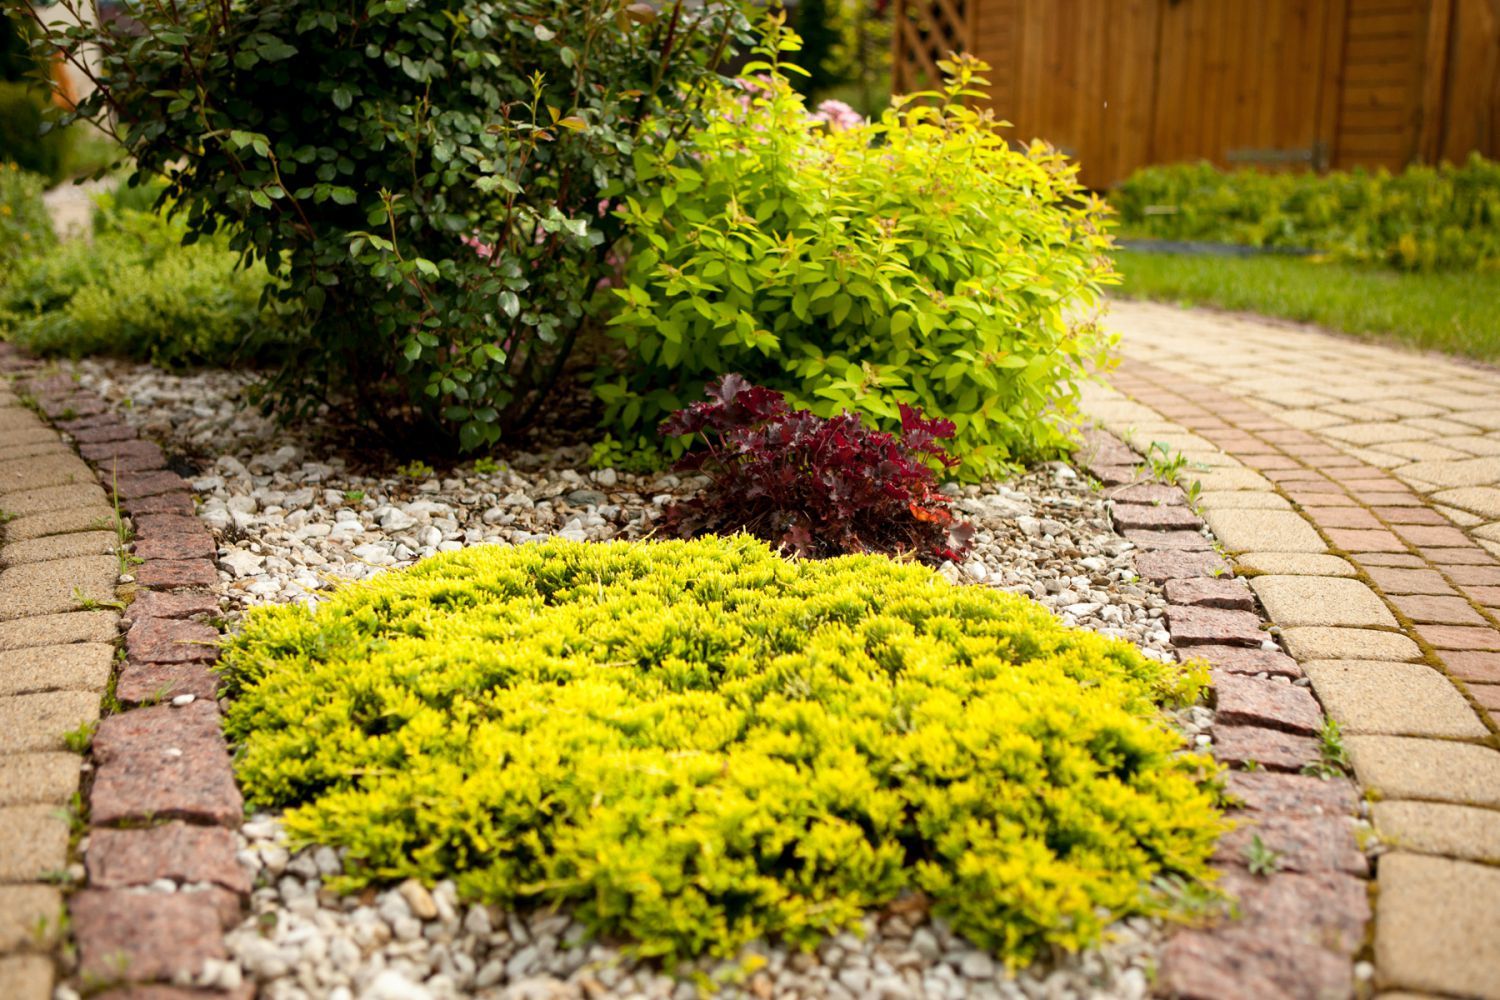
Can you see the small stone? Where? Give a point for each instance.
(419, 899)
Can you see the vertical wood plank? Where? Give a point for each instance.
(1434, 79)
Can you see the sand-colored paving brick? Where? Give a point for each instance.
(1394, 699)
(1263, 530)
(31, 722)
(1454, 831)
(57, 585)
(83, 666)
(30, 916)
(1321, 642)
(1293, 564)
(1464, 472)
(1310, 600)
(49, 630)
(36, 842)
(1226, 479)
(91, 517)
(49, 547)
(1400, 767)
(58, 469)
(1241, 500)
(1434, 923)
(26, 977)
(50, 498)
(32, 778)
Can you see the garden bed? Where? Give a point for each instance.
(293, 520)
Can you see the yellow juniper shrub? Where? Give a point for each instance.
(699, 743)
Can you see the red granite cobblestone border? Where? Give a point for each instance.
(163, 803)
(1298, 927)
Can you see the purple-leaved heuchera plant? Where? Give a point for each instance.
(817, 486)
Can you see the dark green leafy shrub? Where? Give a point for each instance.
(136, 291)
(918, 259)
(695, 744)
(22, 111)
(434, 180)
(1422, 219)
(25, 227)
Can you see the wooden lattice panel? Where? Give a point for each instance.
(926, 31)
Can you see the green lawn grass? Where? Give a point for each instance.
(1453, 313)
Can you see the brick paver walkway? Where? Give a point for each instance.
(1359, 487)
(58, 557)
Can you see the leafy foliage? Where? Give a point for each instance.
(815, 486)
(433, 179)
(136, 291)
(918, 259)
(25, 227)
(1422, 219)
(695, 744)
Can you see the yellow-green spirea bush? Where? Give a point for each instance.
(695, 744)
(919, 259)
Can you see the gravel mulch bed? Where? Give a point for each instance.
(292, 520)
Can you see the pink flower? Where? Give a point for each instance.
(481, 249)
(838, 115)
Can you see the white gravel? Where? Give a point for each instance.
(293, 520)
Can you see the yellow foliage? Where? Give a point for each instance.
(695, 744)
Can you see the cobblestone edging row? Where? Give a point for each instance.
(1300, 924)
(1393, 612)
(162, 878)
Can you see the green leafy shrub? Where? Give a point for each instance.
(1422, 219)
(432, 179)
(136, 291)
(25, 227)
(55, 153)
(700, 743)
(22, 142)
(918, 259)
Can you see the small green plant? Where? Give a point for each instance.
(486, 466)
(1251, 765)
(87, 603)
(698, 744)
(415, 469)
(640, 455)
(79, 740)
(1191, 900)
(1164, 463)
(354, 496)
(1260, 859)
(1194, 493)
(1333, 757)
